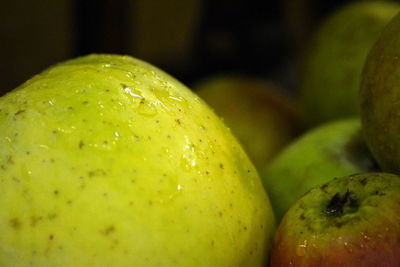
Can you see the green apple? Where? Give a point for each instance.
(263, 119)
(106, 160)
(331, 70)
(331, 150)
(350, 221)
(380, 99)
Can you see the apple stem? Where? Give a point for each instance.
(338, 202)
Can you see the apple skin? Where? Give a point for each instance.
(333, 149)
(331, 68)
(263, 118)
(379, 98)
(106, 160)
(326, 228)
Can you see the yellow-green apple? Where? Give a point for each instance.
(380, 98)
(349, 221)
(331, 150)
(262, 118)
(331, 69)
(106, 160)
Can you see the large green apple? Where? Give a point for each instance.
(331, 150)
(332, 66)
(380, 98)
(262, 118)
(106, 160)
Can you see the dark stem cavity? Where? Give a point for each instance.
(339, 203)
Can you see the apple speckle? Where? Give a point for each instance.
(52, 216)
(35, 220)
(15, 223)
(19, 112)
(109, 230)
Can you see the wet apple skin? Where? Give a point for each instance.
(108, 161)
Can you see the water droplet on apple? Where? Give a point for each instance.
(366, 238)
(105, 66)
(129, 75)
(101, 104)
(301, 249)
(135, 94)
(147, 109)
(168, 189)
(348, 247)
(189, 155)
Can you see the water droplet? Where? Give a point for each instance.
(301, 249)
(366, 238)
(105, 66)
(348, 247)
(167, 189)
(147, 109)
(189, 155)
(44, 146)
(180, 99)
(129, 75)
(100, 103)
(132, 92)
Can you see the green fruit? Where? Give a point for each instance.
(350, 221)
(106, 160)
(331, 150)
(263, 119)
(380, 99)
(331, 71)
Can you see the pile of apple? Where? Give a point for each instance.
(334, 190)
(107, 161)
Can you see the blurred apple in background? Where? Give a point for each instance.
(331, 150)
(380, 99)
(262, 118)
(330, 73)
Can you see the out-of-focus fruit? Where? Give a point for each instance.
(263, 119)
(331, 70)
(334, 149)
(380, 98)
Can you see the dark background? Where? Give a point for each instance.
(190, 39)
